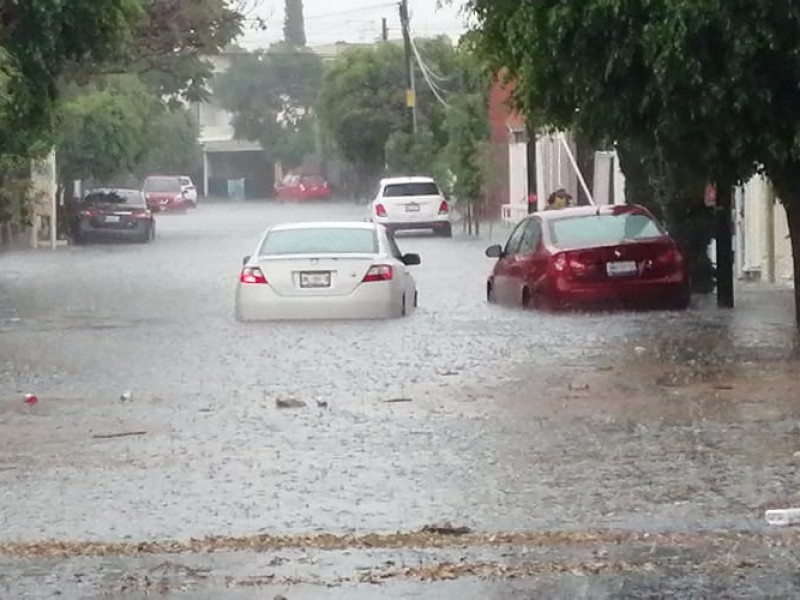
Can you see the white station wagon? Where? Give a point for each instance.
(411, 203)
(326, 271)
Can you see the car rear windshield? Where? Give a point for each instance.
(399, 190)
(130, 197)
(320, 240)
(162, 184)
(602, 230)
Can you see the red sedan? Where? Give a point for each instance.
(305, 187)
(589, 257)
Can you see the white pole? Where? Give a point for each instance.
(577, 169)
(558, 167)
(540, 186)
(551, 165)
(53, 190)
(205, 173)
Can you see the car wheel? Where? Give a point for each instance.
(152, 232)
(416, 299)
(490, 293)
(446, 231)
(403, 307)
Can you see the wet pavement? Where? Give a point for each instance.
(514, 422)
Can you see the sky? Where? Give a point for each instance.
(330, 21)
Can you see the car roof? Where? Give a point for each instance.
(409, 179)
(324, 225)
(588, 211)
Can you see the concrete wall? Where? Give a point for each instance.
(754, 233)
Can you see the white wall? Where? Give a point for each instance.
(518, 173)
(756, 240)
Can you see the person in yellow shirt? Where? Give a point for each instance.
(558, 199)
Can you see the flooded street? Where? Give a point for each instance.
(505, 422)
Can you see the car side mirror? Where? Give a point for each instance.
(495, 251)
(245, 260)
(411, 259)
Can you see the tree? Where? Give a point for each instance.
(39, 38)
(615, 72)
(294, 28)
(361, 103)
(409, 154)
(123, 130)
(169, 45)
(271, 96)
(469, 129)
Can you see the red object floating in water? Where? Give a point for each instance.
(31, 399)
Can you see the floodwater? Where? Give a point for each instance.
(513, 422)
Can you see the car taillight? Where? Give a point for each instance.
(378, 273)
(560, 263)
(88, 213)
(252, 275)
(443, 208)
(142, 214)
(669, 258)
(380, 210)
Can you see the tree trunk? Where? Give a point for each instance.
(724, 239)
(793, 217)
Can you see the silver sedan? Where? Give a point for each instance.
(336, 270)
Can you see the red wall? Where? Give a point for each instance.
(499, 113)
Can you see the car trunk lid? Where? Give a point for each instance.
(315, 275)
(641, 259)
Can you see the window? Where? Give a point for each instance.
(320, 240)
(421, 188)
(128, 197)
(514, 240)
(603, 230)
(394, 250)
(162, 185)
(530, 237)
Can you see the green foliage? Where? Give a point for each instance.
(271, 95)
(294, 28)
(168, 46)
(39, 37)
(468, 126)
(410, 154)
(123, 130)
(362, 105)
(653, 77)
(362, 102)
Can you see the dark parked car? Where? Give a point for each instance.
(112, 213)
(589, 257)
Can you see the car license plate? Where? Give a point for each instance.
(111, 219)
(622, 268)
(315, 280)
(413, 207)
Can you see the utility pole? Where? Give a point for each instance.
(411, 96)
(384, 30)
(724, 238)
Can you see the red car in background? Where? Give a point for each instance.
(589, 257)
(165, 193)
(303, 187)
